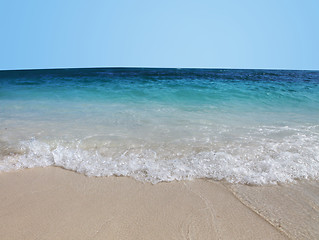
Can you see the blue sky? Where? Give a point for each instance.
(277, 34)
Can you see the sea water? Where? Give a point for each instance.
(246, 126)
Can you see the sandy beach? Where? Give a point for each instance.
(53, 203)
(159, 120)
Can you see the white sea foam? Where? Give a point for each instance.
(251, 161)
(251, 126)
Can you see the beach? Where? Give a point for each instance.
(150, 153)
(53, 203)
(159, 120)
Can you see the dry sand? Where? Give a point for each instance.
(52, 203)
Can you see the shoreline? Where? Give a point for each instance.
(53, 203)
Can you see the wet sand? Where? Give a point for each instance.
(292, 208)
(53, 203)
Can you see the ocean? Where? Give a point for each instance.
(152, 124)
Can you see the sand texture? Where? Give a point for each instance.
(52, 203)
(292, 208)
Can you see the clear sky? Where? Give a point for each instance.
(278, 34)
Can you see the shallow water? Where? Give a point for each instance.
(247, 126)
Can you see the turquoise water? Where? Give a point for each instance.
(248, 126)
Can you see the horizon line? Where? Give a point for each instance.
(155, 67)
